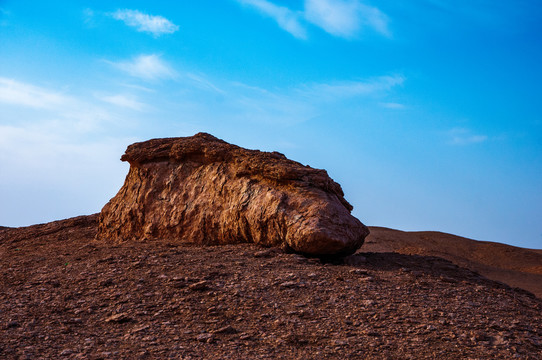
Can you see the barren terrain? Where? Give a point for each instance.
(66, 295)
(517, 267)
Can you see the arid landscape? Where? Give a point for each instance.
(303, 179)
(67, 295)
(212, 251)
(517, 267)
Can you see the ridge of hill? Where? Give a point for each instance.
(515, 266)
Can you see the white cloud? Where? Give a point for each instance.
(18, 93)
(271, 107)
(342, 18)
(304, 102)
(392, 105)
(4, 21)
(462, 136)
(204, 83)
(345, 89)
(88, 17)
(345, 18)
(58, 152)
(154, 24)
(126, 101)
(148, 67)
(287, 19)
(49, 174)
(44, 103)
(202, 98)
(31, 104)
(71, 141)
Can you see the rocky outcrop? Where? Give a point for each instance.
(203, 190)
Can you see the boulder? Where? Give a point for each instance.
(202, 190)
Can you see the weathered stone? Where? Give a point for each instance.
(228, 329)
(203, 190)
(200, 285)
(119, 318)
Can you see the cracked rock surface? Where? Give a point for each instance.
(202, 190)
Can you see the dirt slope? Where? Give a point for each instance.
(67, 296)
(517, 267)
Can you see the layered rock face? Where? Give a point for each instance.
(203, 190)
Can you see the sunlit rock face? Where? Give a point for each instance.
(202, 190)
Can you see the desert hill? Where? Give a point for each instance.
(517, 267)
(67, 295)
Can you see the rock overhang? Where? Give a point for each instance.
(203, 190)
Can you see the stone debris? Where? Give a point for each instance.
(265, 253)
(289, 284)
(228, 329)
(200, 285)
(119, 318)
(205, 338)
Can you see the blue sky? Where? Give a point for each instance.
(427, 112)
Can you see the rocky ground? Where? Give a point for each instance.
(515, 266)
(66, 295)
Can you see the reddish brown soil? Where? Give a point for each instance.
(66, 295)
(517, 267)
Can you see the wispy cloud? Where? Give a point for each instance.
(3, 17)
(69, 139)
(48, 134)
(89, 17)
(462, 136)
(392, 105)
(23, 94)
(341, 18)
(61, 137)
(42, 104)
(203, 82)
(306, 101)
(345, 18)
(280, 107)
(287, 19)
(125, 101)
(345, 89)
(67, 164)
(154, 24)
(147, 67)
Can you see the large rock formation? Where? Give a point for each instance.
(203, 190)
